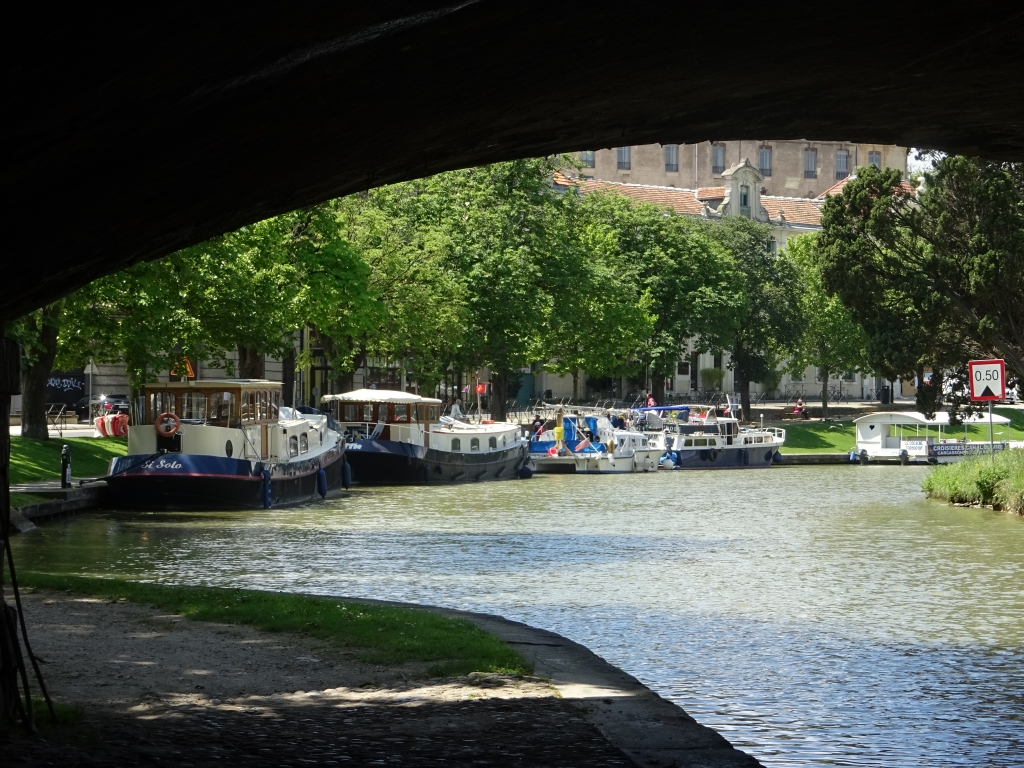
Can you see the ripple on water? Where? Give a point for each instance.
(814, 616)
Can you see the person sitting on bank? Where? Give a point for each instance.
(801, 409)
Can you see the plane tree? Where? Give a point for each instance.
(934, 279)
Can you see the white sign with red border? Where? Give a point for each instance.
(988, 379)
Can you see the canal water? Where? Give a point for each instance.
(812, 615)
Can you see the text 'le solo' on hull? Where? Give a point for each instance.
(222, 445)
(401, 438)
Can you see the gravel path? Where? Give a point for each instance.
(161, 690)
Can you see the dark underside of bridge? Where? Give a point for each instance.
(130, 136)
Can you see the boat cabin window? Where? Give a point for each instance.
(434, 412)
(223, 409)
(492, 443)
(401, 413)
(456, 444)
(293, 446)
(303, 443)
(503, 441)
(758, 439)
(193, 406)
(699, 441)
(161, 402)
(275, 405)
(474, 444)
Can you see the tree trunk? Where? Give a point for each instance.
(250, 363)
(576, 386)
(288, 378)
(499, 394)
(10, 358)
(35, 376)
(658, 388)
(824, 393)
(744, 395)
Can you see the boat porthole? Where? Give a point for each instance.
(229, 448)
(704, 455)
(768, 455)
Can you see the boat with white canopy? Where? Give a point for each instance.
(401, 438)
(912, 437)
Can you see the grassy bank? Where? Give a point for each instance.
(381, 635)
(33, 460)
(981, 481)
(819, 436)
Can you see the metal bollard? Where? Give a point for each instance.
(65, 467)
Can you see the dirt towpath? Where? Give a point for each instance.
(157, 689)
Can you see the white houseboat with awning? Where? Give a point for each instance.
(402, 438)
(912, 437)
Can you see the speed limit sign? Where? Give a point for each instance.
(988, 379)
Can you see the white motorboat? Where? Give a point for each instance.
(911, 437)
(590, 444)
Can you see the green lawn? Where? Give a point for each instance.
(33, 460)
(819, 437)
(382, 635)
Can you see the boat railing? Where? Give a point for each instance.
(777, 432)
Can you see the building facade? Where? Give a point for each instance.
(802, 168)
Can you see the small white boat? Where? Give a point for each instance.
(401, 438)
(911, 437)
(696, 437)
(591, 445)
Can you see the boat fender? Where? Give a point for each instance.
(864, 456)
(768, 455)
(777, 457)
(668, 464)
(746, 456)
(346, 475)
(525, 473)
(552, 452)
(704, 455)
(266, 489)
(321, 483)
(904, 458)
(713, 455)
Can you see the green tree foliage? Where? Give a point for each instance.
(933, 281)
(770, 320)
(831, 341)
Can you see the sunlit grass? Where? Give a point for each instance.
(382, 635)
(33, 460)
(819, 437)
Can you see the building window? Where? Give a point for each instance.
(875, 159)
(810, 163)
(718, 158)
(588, 158)
(842, 164)
(672, 158)
(718, 361)
(773, 246)
(622, 158)
(764, 161)
(745, 201)
(683, 368)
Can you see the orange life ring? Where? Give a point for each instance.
(161, 427)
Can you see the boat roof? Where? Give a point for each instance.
(664, 408)
(916, 417)
(379, 396)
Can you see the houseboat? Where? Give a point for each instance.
(224, 444)
(401, 438)
(912, 438)
(697, 437)
(591, 445)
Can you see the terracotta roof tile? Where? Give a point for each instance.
(836, 188)
(711, 193)
(680, 200)
(796, 210)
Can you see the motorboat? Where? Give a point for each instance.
(697, 437)
(910, 437)
(402, 438)
(591, 444)
(221, 444)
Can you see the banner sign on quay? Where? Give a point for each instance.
(988, 380)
